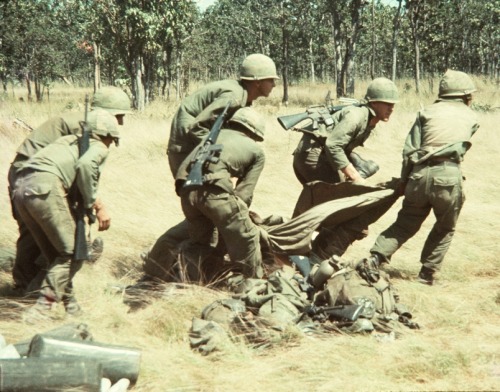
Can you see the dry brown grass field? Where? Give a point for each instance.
(457, 347)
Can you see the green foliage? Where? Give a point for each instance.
(161, 44)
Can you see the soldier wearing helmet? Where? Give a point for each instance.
(41, 200)
(114, 100)
(192, 121)
(431, 176)
(198, 111)
(224, 199)
(330, 158)
(29, 264)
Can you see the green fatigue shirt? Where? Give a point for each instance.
(441, 130)
(198, 112)
(62, 159)
(50, 131)
(350, 129)
(241, 157)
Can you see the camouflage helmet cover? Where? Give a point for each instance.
(382, 90)
(112, 99)
(257, 67)
(455, 83)
(251, 120)
(103, 123)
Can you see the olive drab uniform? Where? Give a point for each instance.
(28, 262)
(314, 161)
(221, 204)
(191, 123)
(317, 161)
(40, 198)
(196, 114)
(432, 154)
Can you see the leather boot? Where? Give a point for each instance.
(426, 276)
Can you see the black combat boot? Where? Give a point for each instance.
(95, 250)
(426, 276)
(40, 311)
(71, 306)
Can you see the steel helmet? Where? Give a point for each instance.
(258, 66)
(455, 83)
(103, 123)
(112, 99)
(382, 90)
(251, 120)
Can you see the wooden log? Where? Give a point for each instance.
(67, 331)
(49, 374)
(117, 362)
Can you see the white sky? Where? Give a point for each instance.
(203, 4)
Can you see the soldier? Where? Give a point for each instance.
(191, 123)
(28, 265)
(224, 198)
(40, 198)
(318, 161)
(431, 177)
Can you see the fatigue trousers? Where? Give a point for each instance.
(435, 186)
(40, 199)
(29, 264)
(312, 165)
(210, 206)
(163, 255)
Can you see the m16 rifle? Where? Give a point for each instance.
(207, 153)
(81, 249)
(315, 114)
(339, 312)
(323, 114)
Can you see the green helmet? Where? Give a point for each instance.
(251, 120)
(112, 99)
(382, 90)
(455, 83)
(102, 123)
(258, 66)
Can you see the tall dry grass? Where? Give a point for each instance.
(457, 347)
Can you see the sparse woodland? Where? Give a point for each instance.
(160, 48)
(53, 53)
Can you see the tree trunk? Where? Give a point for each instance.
(38, 91)
(285, 67)
(177, 81)
(395, 31)
(97, 66)
(414, 12)
(339, 76)
(311, 61)
(372, 59)
(137, 83)
(349, 66)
